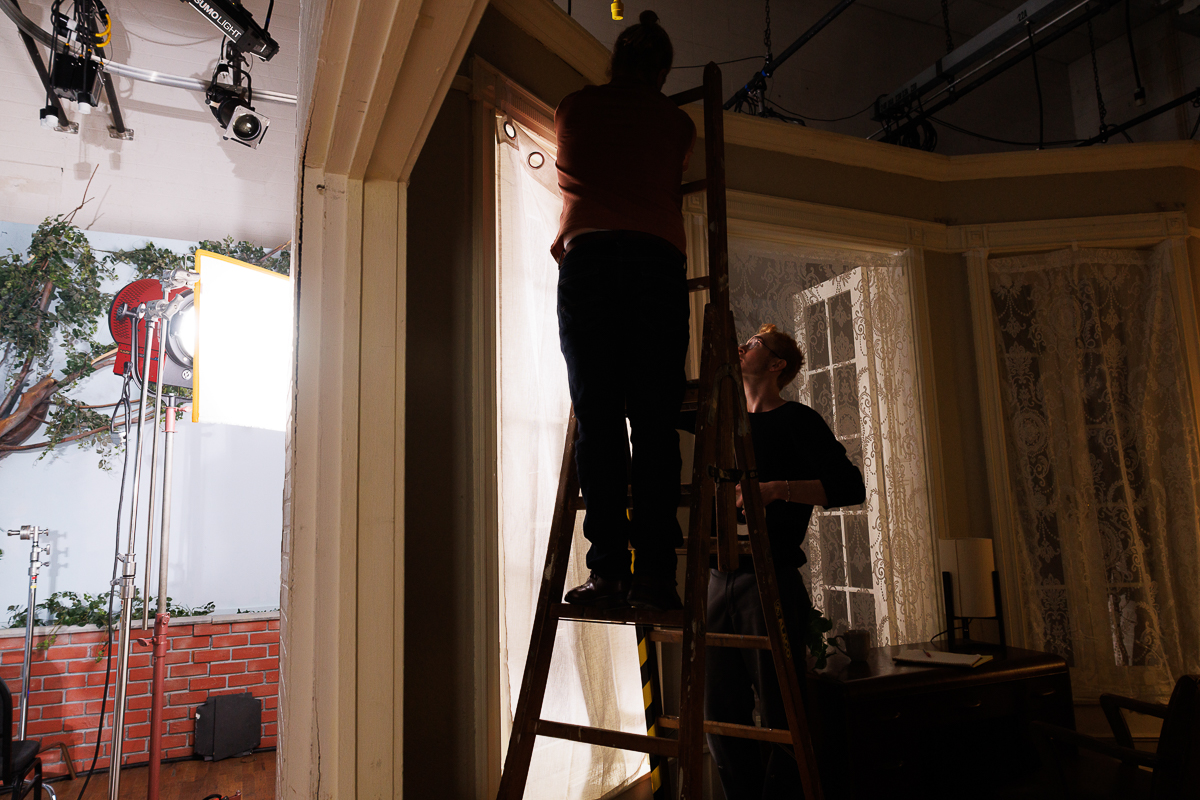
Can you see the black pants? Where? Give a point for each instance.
(623, 327)
(748, 769)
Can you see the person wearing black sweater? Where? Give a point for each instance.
(800, 465)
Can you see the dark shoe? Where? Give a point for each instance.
(658, 595)
(600, 592)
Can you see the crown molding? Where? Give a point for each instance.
(571, 42)
(786, 220)
(562, 35)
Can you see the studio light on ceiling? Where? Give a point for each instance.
(229, 96)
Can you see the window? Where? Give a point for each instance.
(834, 383)
(870, 566)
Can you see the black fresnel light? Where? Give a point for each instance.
(229, 96)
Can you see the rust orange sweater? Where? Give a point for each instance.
(622, 150)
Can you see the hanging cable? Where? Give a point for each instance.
(762, 92)
(767, 33)
(860, 112)
(719, 63)
(1037, 82)
(946, 25)
(124, 404)
(1096, 77)
(987, 138)
(1139, 94)
(267, 19)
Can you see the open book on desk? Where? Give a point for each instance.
(940, 658)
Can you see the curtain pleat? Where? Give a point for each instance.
(1103, 464)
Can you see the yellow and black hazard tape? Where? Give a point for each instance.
(648, 658)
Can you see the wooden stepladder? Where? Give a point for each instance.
(724, 458)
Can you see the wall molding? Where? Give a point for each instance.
(561, 33)
(496, 90)
(571, 42)
(762, 215)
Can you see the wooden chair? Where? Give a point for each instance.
(1091, 768)
(17, 758)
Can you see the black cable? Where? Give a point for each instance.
(112, 589)
(720, 63)
(1101, 109)
(966, 132)
(1037, 82)
(267, 21)
(941, 633)
(824, 119)
(946, 25)
(1139, 95)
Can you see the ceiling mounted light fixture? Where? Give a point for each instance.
(230, 100)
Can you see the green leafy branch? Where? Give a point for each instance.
(51, 305)
(63, 609)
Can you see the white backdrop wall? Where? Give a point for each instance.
(226, 509)
(176, 178)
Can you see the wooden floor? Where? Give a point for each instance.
(186, 780)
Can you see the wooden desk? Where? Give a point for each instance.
(897, 730)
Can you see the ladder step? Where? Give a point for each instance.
(685, 499)
(780, 735)
(639, 743)
(691, 187)
(715, 639)
(626, 615)
(687, 96)
(743, 547)
(697, 284)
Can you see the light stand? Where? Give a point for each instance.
(129, 572)
(156, 314)
(162, 619)
(33, 533)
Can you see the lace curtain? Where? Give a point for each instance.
(595, 676)
(1103, 464)
(870, 566)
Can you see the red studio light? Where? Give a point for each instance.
(122, 316)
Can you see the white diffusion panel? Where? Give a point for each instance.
(243, 354)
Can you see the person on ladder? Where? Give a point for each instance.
(623, 314)
(800, 465)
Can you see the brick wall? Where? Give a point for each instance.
(208, 656)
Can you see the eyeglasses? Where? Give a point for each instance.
(754, 342)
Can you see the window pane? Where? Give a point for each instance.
(858, 550)
(817, 336)
(833, 558)
(853, 447)
(841, 327)
(835, 610)
(846, 381)
(862, 613)
(822, 394)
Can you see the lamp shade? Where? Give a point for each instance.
(243, 351)
(970, 563)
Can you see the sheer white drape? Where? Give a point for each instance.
(1103, 464)
(869, 566)
(595, 676)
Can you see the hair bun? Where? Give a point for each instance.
(648, 17)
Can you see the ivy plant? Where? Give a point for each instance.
(62, 609)
(51, 306)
